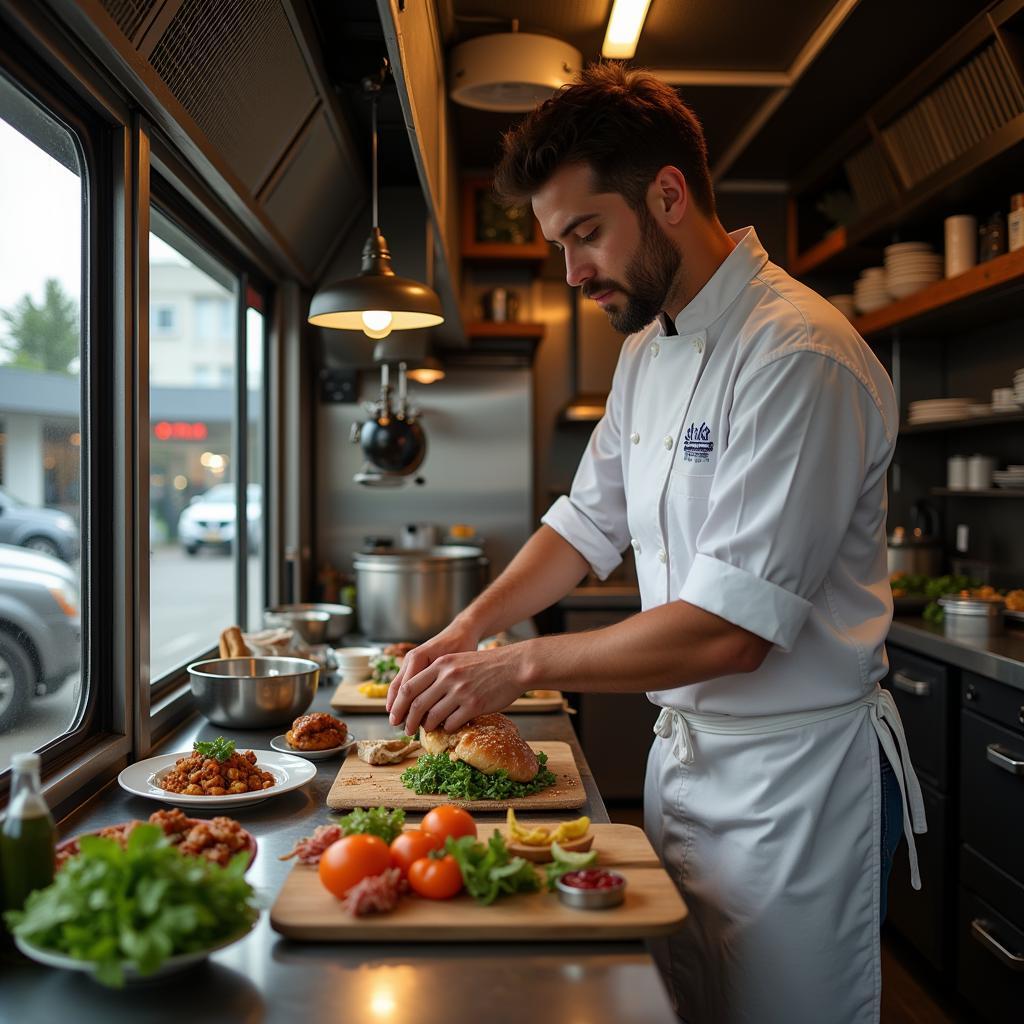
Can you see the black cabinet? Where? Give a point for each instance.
(925, 692)
(990, 920)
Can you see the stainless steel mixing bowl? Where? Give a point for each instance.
(253, 693)
(310, 625)
(338, 624)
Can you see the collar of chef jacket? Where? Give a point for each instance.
(738, 269)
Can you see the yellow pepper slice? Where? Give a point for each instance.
(373, 689)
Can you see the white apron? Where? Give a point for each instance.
(770, 826)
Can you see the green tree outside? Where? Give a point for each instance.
(43, 337)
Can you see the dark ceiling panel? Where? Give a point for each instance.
(727, 34)
(879, 44)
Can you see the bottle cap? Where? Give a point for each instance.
(25, 762)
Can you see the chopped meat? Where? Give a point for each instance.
(376, 894)
(309, 849)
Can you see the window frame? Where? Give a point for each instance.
(100, 737)
(169, 698)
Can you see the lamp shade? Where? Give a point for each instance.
(377, 289)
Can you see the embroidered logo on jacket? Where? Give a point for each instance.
(697, 443)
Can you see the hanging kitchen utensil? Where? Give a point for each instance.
(392, 440)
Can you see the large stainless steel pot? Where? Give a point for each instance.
(412, 594)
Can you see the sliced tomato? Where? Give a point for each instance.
(436, 879)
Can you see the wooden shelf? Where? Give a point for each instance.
(985, 281)
(996, 419)
(506, 329)
(994, 492)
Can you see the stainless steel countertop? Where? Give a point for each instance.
(998, 657)
(266, 977)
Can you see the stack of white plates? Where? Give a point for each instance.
(869, 291)
(934, 410)
(1007, 399)
(909, 267)
(844, 303)
(1018, 385)
(1012, 477)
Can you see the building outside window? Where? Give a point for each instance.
(165, 320)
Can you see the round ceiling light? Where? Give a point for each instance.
(511, 71)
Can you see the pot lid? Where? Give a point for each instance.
(971, 605)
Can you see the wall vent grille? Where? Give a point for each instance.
(129, 14)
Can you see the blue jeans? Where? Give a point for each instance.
(892, 826)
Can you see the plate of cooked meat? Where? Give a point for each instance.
(216, 839)
(214, 774)
(316, 736)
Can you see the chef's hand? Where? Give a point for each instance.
(454, 688)
(455, 638)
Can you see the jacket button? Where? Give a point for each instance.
(662, 555)
(636, 545)
(634, 437)
(655, 349)
(668, 443)
(698, 344)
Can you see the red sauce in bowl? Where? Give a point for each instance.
(593, 878)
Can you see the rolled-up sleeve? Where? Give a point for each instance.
(805, 436)
(593, 516)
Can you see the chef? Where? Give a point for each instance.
(743, 456)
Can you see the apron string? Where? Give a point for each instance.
(885, 718)
(682, 742)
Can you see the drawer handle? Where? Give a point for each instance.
(980, 932)
(918, 687)
(1003, 758)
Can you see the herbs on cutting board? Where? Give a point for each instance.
(384, 822)
(487, 869)
(437, 773)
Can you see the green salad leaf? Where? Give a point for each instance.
(564, 861)
(383, 822)
(219, 749)
(383, 668)
(437, 773)
(138, 904)
(487, 869)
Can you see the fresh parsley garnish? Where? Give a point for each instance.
(219, 749)
(437, 773)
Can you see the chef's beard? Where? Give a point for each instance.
(650, 274)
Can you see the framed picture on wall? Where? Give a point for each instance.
(496, 231)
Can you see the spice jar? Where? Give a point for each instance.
(1015, 221)
(992, 242)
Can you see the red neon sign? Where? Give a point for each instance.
(180, 431)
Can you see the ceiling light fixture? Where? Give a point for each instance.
(413, 351)
(378, 301)
(510, 71)
(625, 24)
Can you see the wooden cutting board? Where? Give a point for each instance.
(359, 784)
(347, 698)
(305, 910)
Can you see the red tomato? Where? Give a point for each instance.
(352, 859)
(411, 846)
(435, 879)
(447, 820)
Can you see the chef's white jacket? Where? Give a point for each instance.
(744, 457)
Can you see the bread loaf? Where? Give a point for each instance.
(490, 743)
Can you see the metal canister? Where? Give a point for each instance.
(971, 618)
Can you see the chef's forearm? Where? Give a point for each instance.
(546, 568)
(672, 645)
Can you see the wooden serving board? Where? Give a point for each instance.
(304, 909)
(359, 784)
(347, 698)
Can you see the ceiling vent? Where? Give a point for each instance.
(511, 71)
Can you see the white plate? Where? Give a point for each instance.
(290, 770)
(281, 744)
(181, 962)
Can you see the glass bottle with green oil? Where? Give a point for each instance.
(27, 837)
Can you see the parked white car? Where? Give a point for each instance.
(209, 519)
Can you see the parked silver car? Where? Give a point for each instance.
(40, 628)
(42, 529)
(209, 519)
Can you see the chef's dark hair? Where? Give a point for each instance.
(624, 124)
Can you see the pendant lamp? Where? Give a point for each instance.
(378, 301)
